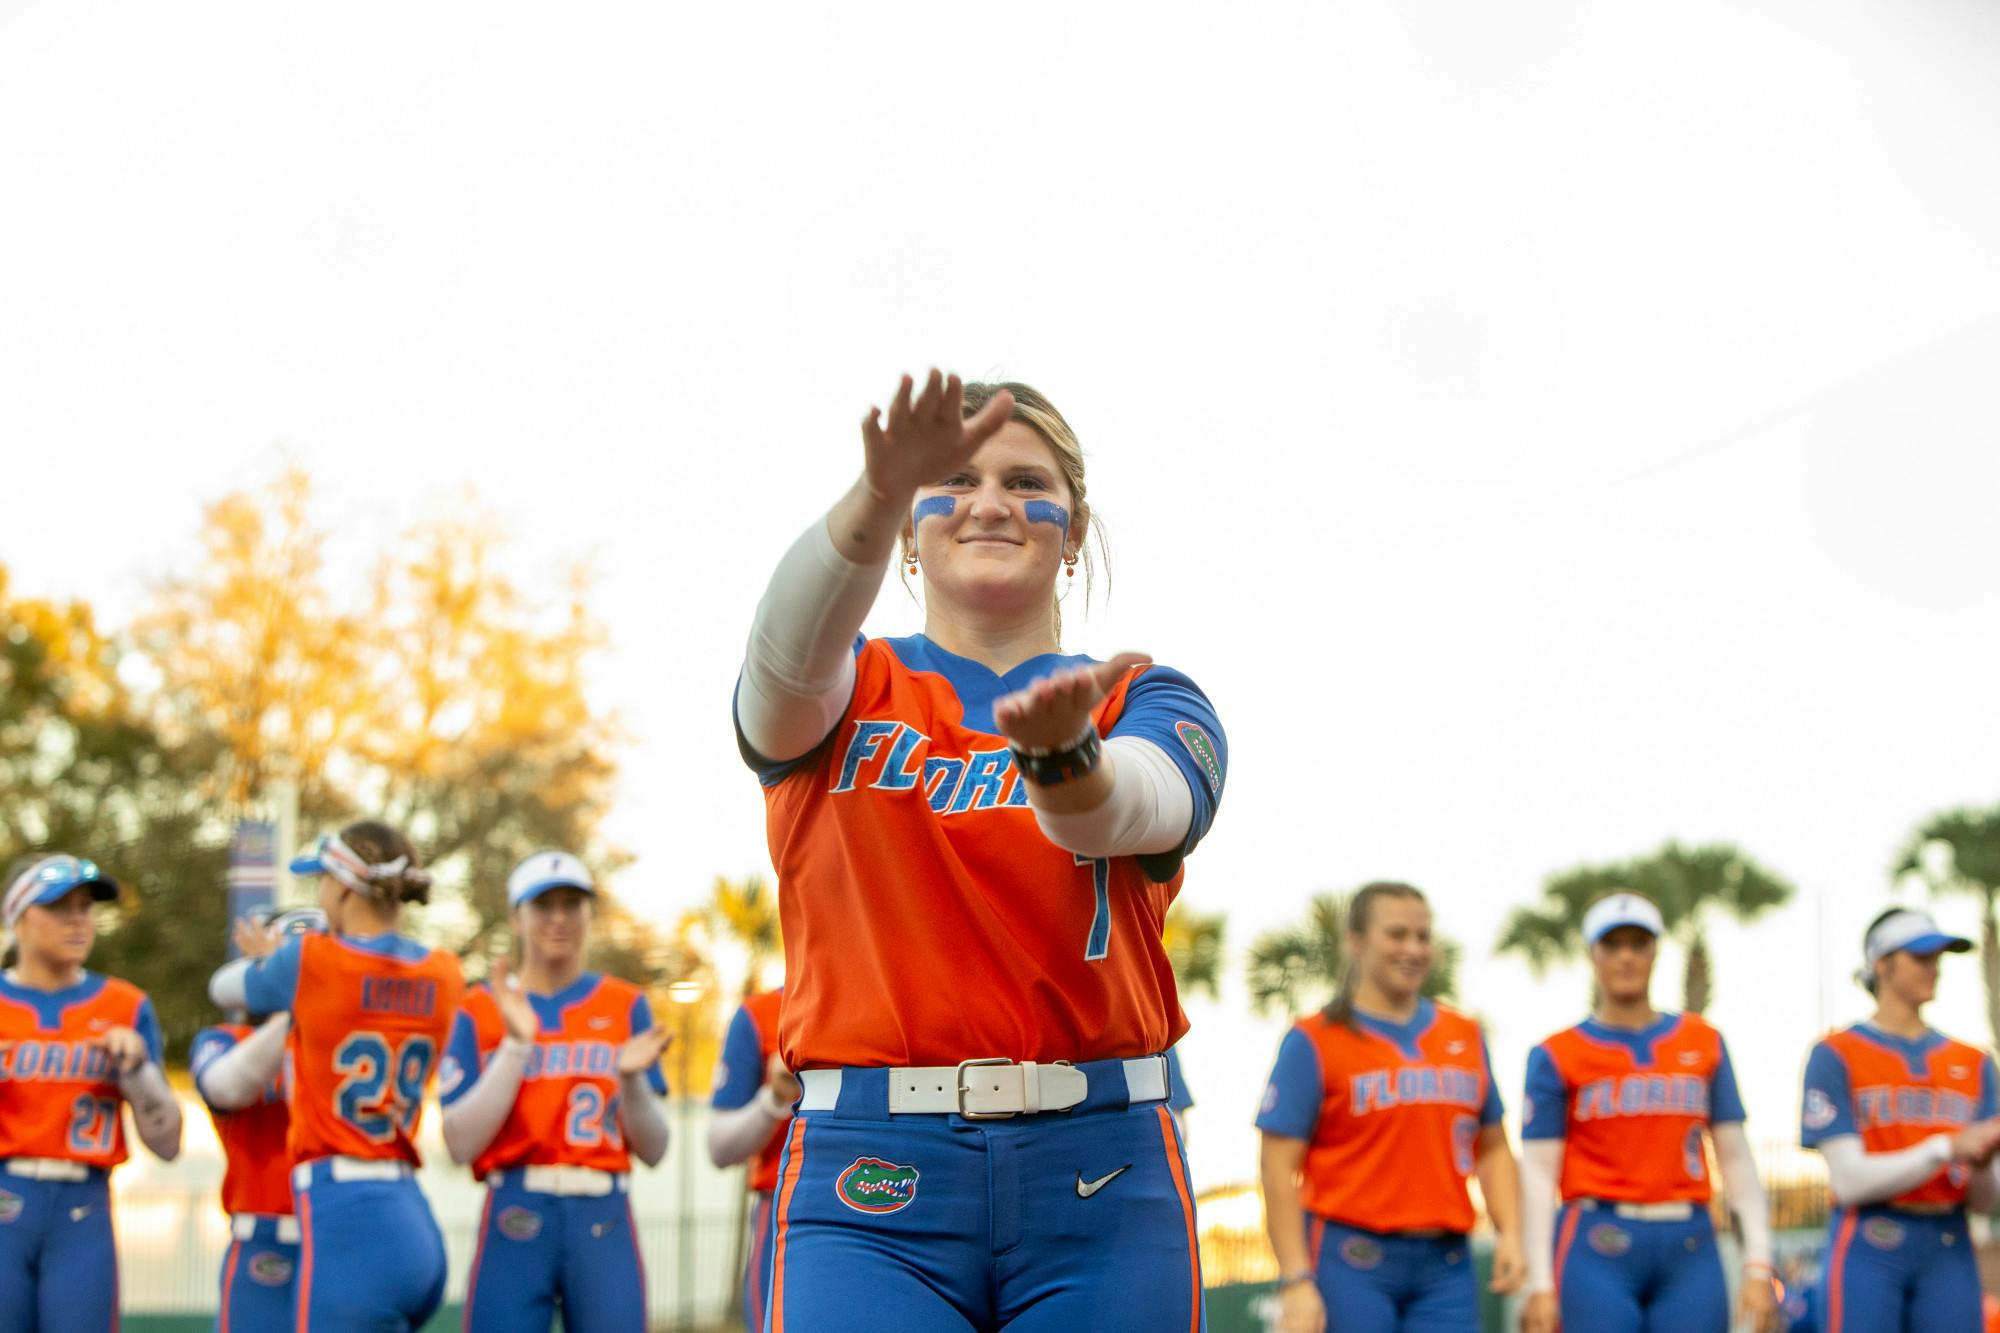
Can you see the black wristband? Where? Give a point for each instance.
(1048, 768)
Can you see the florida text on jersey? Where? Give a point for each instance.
(1895, 1092)
(915, 876)
(58, 1094)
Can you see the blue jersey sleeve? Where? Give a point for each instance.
(642, 1021)
(1827, 1111)
(147, 1025)
(1491, 1111)
(210, 1044)
(741, 1070)
(1168, 709)
(1987, 1098)
(1179, 1096)
(272, 983)
(461, 1065)
(1293, 1096)
(1545, 1100)
(1725, 1103)
(771, 772)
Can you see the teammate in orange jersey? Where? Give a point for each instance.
(551, 1085)
(370, 1009)
(238, 1070)
(1616, 1116)
(752, 1104)
(977, 839)
(1904, 1116)
(74, 1046)
(1379, 1108)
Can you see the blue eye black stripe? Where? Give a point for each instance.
(1048, 511)
(935, 506)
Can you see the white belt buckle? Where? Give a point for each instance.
(964, 1088)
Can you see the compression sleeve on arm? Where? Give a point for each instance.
(237, 1078)
(1541, 1165)
(798, 670)
(644, 1118)
(1746, 1192)
(225, 988)
(155, 1110)
(738, 1134)
(1858, 1176)
(472, 1120)
(1149, 808)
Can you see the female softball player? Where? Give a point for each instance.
(977, 839)
(370, 1009)
(74, 1047)
(551, 1084)
(1380, 1107)
(1616, 1112)
(238, 1070)
(752, 1104)
(1904, 1116)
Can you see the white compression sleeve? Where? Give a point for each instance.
(1745, 1191)
(237, 1078)
(798, 670)
(225, 988)
(739, 1134)
(1859, 1176)
(155, 1110)
(1149, 808)
(471, 1122)
(1541, 1166)
(645, 1120)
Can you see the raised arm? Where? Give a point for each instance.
(798, 669)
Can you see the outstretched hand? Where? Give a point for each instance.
(925, 438)
(1054, 710)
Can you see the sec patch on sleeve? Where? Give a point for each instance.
(1203, 749)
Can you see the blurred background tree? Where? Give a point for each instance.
(1194, 943)
(1688, 884)
(1958, 851)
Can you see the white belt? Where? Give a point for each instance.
(988, 1089)
(47, 1168)
(349, 1168)
(569, 1180)
(1645, 1212)
(243, 1226)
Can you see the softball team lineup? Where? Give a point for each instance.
(958, 1111)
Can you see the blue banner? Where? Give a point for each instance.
(253, 870)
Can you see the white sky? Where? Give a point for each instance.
(1544, 429)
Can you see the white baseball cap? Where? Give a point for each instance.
(543, 871)
(1621, 909)
(1910, 931)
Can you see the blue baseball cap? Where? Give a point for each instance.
(51, 878)
(543, 871)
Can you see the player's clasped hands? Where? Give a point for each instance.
(1977, 1142)
(1053, 710)
(126, 1048)
(644, 1050)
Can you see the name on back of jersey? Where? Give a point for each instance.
(1642, 1094)
(411, 997)
(884, 755)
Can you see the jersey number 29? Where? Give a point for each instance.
(382, 1088)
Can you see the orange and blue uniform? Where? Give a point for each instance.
(928, 921)
(746, 1051)
(61, 1132)
(564, 1236)
(369, 1018)
(1391, 1114)
(1633, 1107)
(263, 1257)
(1907, 1263)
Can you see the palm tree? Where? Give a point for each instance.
(744, 912)
(1301, 963)
(1194, 948)
(1958, 851)
(1688, 884)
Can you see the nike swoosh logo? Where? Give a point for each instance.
(1084, 1191)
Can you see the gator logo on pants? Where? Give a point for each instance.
(872, 1185)
(270, 1270)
